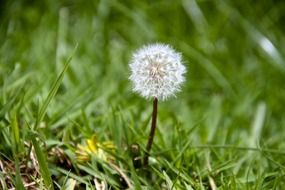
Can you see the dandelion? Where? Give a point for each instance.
(156, 73)
(100, 150)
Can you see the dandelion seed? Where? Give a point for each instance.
(156, 73)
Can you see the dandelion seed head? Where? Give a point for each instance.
(157, 71)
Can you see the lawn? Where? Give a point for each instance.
(69, 118)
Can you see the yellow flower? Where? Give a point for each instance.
(95, 148)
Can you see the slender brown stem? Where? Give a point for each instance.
(152, 131)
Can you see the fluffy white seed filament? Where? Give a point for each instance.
(157, 71)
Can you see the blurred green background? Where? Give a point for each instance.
(234, 52)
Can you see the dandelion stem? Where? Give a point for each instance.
(152, 131)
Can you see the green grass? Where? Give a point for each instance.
(223, 131)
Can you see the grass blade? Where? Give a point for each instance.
(16, 141)
(168, 181)
(19, 182)
(53, 90)
(42, 163)
(39, 153)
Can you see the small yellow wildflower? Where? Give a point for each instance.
(95, 148)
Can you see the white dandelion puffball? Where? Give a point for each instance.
(157, 71)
